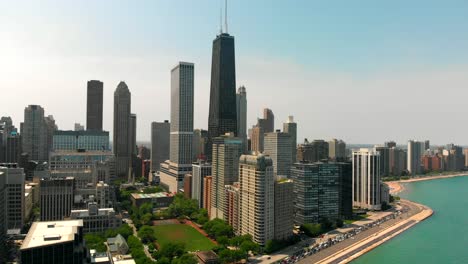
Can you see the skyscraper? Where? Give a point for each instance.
(94, 105)
(180, 151)
(200, 170)
(278, 147)
(225, 170)
(290, 127)
(257, 139)
(257, 199)
(336, 149)
(12, 179)
(366, 179)
(314, 151)
(241, 97)
(223, 114)
(133, 135)
(160, 133)
(56, 198)
(121, 142)
(268, 120)
(384, 160)
(284, 209)
(415, 150)
(34, 133)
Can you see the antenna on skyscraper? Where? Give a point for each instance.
(220, 20)
(225, 16)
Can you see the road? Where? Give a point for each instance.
(411, 209)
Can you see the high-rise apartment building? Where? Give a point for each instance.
(51, 127)
(268, 120)
(384, 160)
(257, 139)
(278, 147)
(232, 205)
(257, 201)
(160, 134)
(336, 149)
(207, 186)
(223, 111)
(290, 127)
(415, 152)
(34, 133)
(241, 99)
(225, 170)
(200, 170)
(397, 160)
(12, 184)
(366, 179)
(56, 198)
(122, 126)
(284, 209)
(322, 191)
(94, 105)
(180, 151)
(314, 151)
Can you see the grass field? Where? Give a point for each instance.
(182, 233)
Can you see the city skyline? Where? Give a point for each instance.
(388, 68)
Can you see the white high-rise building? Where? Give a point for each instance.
(199, 172)
(278, 147)
(225, 171)
(180, 151)
(257, 201)
(366, 179)
(241, 99)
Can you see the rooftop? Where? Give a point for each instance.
(49, 233)
(151, 195)
(85, 212)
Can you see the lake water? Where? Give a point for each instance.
(442, 238)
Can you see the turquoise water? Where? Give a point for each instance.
(442, 238)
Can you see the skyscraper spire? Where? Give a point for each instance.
(221, 19)
(225, 16)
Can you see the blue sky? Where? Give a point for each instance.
(365, 71)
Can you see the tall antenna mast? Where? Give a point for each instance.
(221, 19)
(225, 16)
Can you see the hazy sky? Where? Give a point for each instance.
(364, 71)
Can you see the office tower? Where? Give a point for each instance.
(241, 99)
(384, 160)
(133, 135)
(12, 182)
(397, 161)
(56, 198)
(54, 242)
(180, 151)
(144, 152)
(284, 209)
(94, 105)
(223, 115)
(200, 170)
(257, 139)
(366, 179)
(268, 120)
(78, 127)
(427, 145)
(225, 170)
(121, 141)
(12, 148)
(336, 149)
(51, 127)
(88, 140)
(34, 133)
(160, 133)
(322, 191)
(290, 127)
(414, 156)
(314, 151)
(232, 205)
(207, 186)
(278, 147)
(390, 144)
(200, 139)
(257, 199)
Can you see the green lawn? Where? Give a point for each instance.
(356, 218)
(182, 233)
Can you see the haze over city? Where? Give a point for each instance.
(365, 73)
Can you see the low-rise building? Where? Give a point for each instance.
(97, 219)
(207, 257)
(117, 245)
(159, 200)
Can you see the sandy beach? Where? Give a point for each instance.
(397, 186)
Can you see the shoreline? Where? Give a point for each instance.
(397, 186)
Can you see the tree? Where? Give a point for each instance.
(339, 223)
(171, 250)
(185, 259)
(147, 234)
(230, 256)
(311, 230)
(182, 206)
(124, 230)
(94, 241)
(217, 228)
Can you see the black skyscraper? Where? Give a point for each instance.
(223, 112)
(94, 106)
